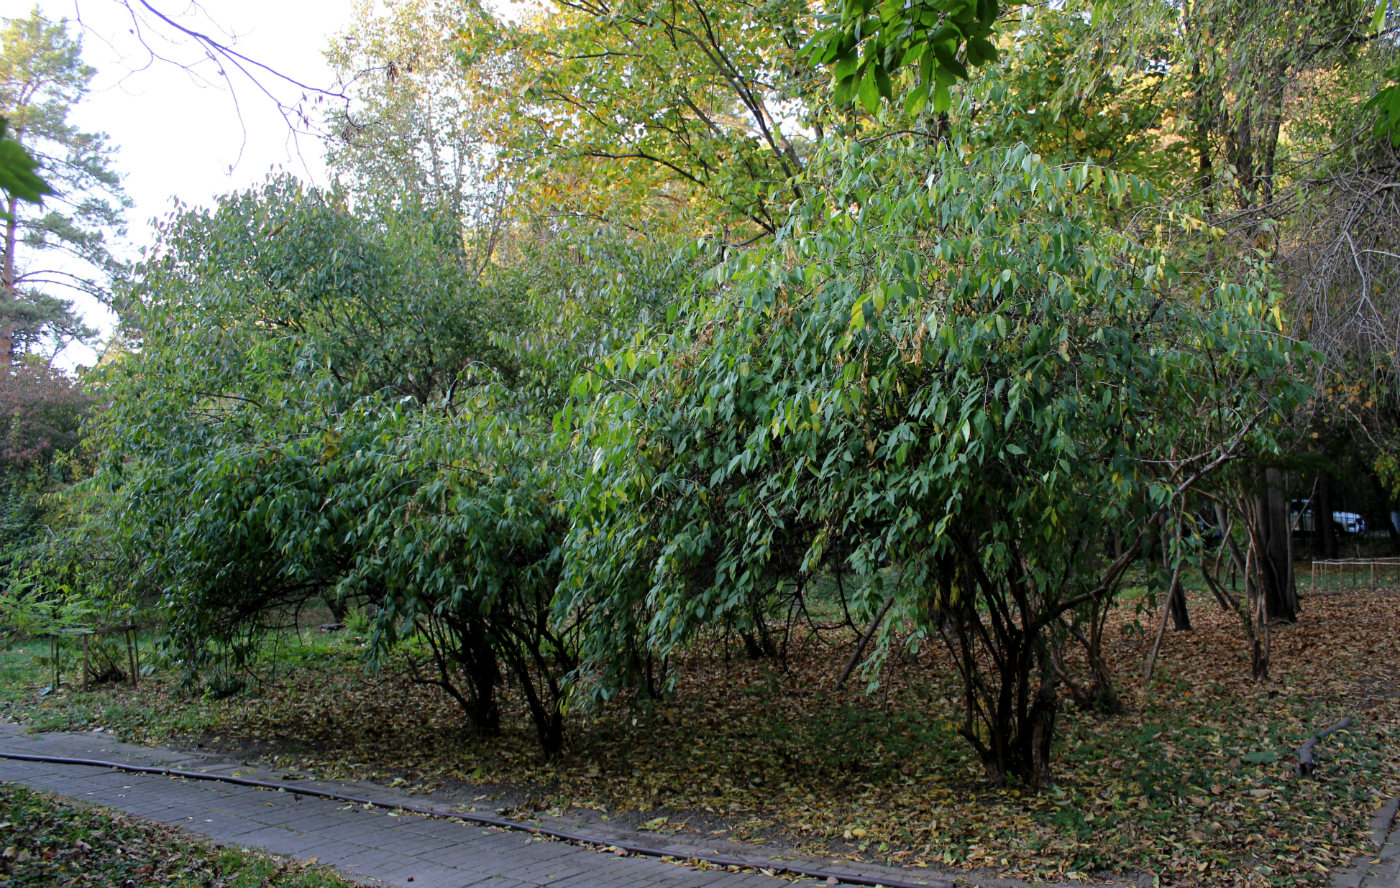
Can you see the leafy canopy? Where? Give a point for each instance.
(867, 44)
(959, 369)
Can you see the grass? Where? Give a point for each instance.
(1192, 784)
(50, 842)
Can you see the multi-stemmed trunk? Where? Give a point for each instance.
(1003, 655)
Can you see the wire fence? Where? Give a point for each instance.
(1336, 574)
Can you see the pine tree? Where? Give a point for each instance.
(61, 248)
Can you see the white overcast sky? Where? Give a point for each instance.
(181, 134)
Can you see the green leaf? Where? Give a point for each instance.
(882, 82)
(980, 50)
(870, 92)
(831, 47)
(846, 66)
(17, 171)
(1387, 102)
(946, 51)
(916, 100)
(857, 316)
(942, 99)
(845, 90)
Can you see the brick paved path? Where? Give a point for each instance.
(369, 844)
(1381, 869)
(411, 851)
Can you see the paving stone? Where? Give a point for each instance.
(279, 811)
(224, 825)
(424, 847)
(394, 849)
(370, 834)
(280, 841)
(439, 880)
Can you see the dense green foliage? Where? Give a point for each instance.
(1386, 103)
(326, 406)
(279, 338)
(624, 332)
(868, 44)
(953, 384)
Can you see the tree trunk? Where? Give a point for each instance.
(1103, 697)
(758, 638)
(544, 710)
(1041, 729)
(334, 605)
(1261, 646)
(1276, 551)
(1181, 617)
(1010, 717)
(7, 284)
(1239, 153)
(478, 661)
(1176, 595)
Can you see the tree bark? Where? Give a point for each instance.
(477, 657)
(1276, 551)
(7, 283)
(1181, 617)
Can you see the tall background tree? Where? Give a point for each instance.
(416, 131)
(683, 116)
(63, 248)
(52, 249)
